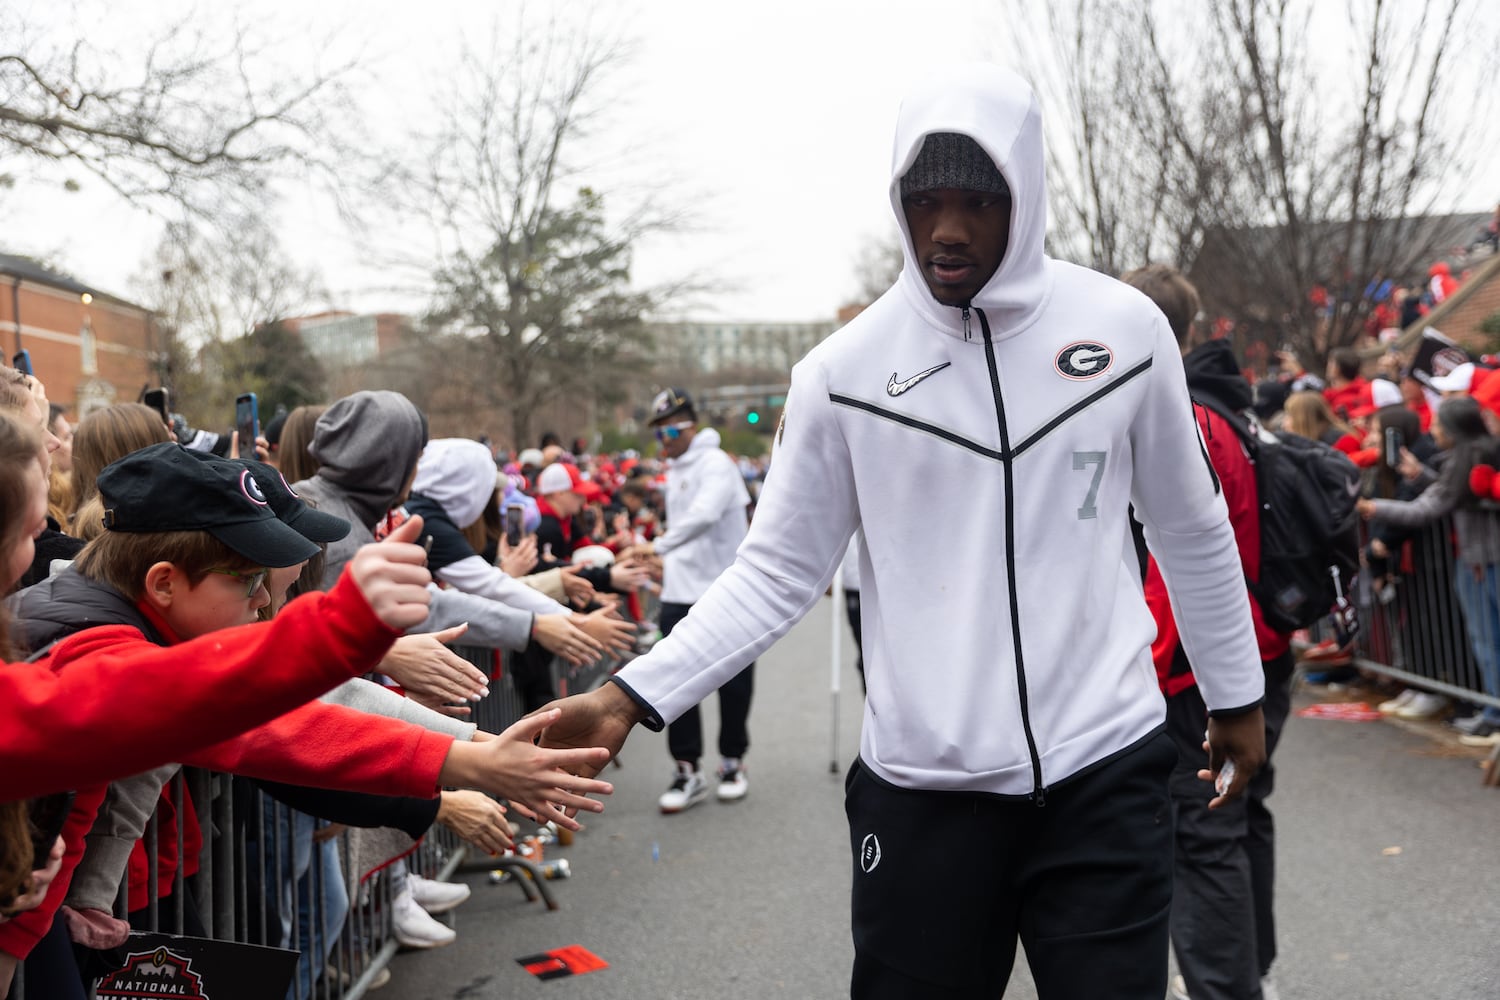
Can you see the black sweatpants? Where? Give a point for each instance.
(945, 882)
(1223, 919)
(685, 736)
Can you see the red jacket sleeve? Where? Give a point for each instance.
(110, 704)
(330, 746)
(20, 934)
(1237, 479)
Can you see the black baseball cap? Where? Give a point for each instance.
(309, 522)
(167, 488)
(669, 403)
(293, 511)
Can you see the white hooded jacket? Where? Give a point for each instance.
(706, 501)
(459, 476)
(990, 455)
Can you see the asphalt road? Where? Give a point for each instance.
(1388, 882)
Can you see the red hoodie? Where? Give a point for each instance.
(1237, 479)
(1348, 398)
(322, 638)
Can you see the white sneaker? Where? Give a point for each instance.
(1397, 703)
(415, 928)
(732, 781)
(1425, 705)
(689, 787)
(437, 897)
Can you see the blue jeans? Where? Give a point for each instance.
(1479, 595)
(320, 920)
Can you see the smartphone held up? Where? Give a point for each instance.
(247, 422)
(159, 400)
(515, 516)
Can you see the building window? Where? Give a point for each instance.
(88, 349)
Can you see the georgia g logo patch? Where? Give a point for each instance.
(1084, 360)
(251, 489)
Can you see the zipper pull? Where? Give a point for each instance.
(966, 323)
(1040, 798)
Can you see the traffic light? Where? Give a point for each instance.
(752, 418)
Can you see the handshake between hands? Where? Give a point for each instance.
(543, 779)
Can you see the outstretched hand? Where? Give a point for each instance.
(600, 718)
(614, 633)
(548, 782)
(477, 818)
(428, 670)
(1238, 738)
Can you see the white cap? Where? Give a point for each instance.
(1457, 380)
(530, 456)
(554, 479)
(1384, 392)
(592, 555)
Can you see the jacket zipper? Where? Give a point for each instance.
(1039, 795)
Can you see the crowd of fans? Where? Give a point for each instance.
(286, 619)
(153, 624)
(1424, 430)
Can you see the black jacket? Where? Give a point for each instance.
(50, 544)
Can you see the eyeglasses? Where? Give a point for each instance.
(253, 580)
(671, 432)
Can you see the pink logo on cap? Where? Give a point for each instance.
(251, 489)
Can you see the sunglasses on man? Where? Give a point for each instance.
(671, 432)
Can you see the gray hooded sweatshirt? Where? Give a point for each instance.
(368, 444)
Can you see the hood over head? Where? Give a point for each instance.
(367, 444)
(459, 475)
(997, 109)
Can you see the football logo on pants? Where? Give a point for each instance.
(869, 853)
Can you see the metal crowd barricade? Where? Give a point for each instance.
(1413, 625)
(252, 848)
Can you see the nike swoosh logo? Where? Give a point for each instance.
(895, 388)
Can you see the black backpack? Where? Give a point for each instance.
(1309, 528)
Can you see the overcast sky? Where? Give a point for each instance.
(772, 121)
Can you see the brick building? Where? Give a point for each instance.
(90, 348)
(1461, 316)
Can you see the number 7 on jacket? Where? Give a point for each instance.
(1082, 460)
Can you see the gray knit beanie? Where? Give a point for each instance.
(953, 160)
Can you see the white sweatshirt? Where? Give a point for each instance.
(706, 501)
(990, 456)
(850, 564)
(459, 476)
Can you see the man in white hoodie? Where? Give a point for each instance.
(1017, 406)
(706, 501)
